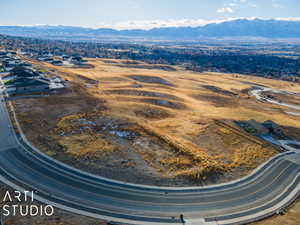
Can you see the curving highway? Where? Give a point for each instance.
(271, 187)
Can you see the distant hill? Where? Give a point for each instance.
(230, 29)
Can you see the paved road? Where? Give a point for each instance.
(290, 145)
(271, 187)
(258, 94)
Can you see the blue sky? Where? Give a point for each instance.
(144, 14)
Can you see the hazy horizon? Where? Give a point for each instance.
(141, 14)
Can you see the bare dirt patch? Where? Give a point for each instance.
(252, 83)
(83, 66)
(219, 90)
(216, 100)
(139, 65)
(141, 93)
(112, 79)
(149, 67)
(87, 80)
(152, 113)
(150, 79)
(165, 103)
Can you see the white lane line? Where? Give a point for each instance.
(268, 211)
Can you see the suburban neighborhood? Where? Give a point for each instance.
(20, 77)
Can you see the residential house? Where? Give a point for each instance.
(19, 72)
(25, 85)
(57, 62)
(78, 60)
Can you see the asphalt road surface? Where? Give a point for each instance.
(275, 185)
(258, 94)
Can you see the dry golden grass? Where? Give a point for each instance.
(187, 110)
(84, 141)
(204, 162)
(246, 155)
(87, 145)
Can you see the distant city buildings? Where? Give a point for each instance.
(63, 60)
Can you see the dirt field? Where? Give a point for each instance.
(152, 124)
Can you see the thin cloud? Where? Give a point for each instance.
(149, 24)
(296, 19)
(225, 10)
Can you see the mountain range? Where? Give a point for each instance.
(231, 29)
